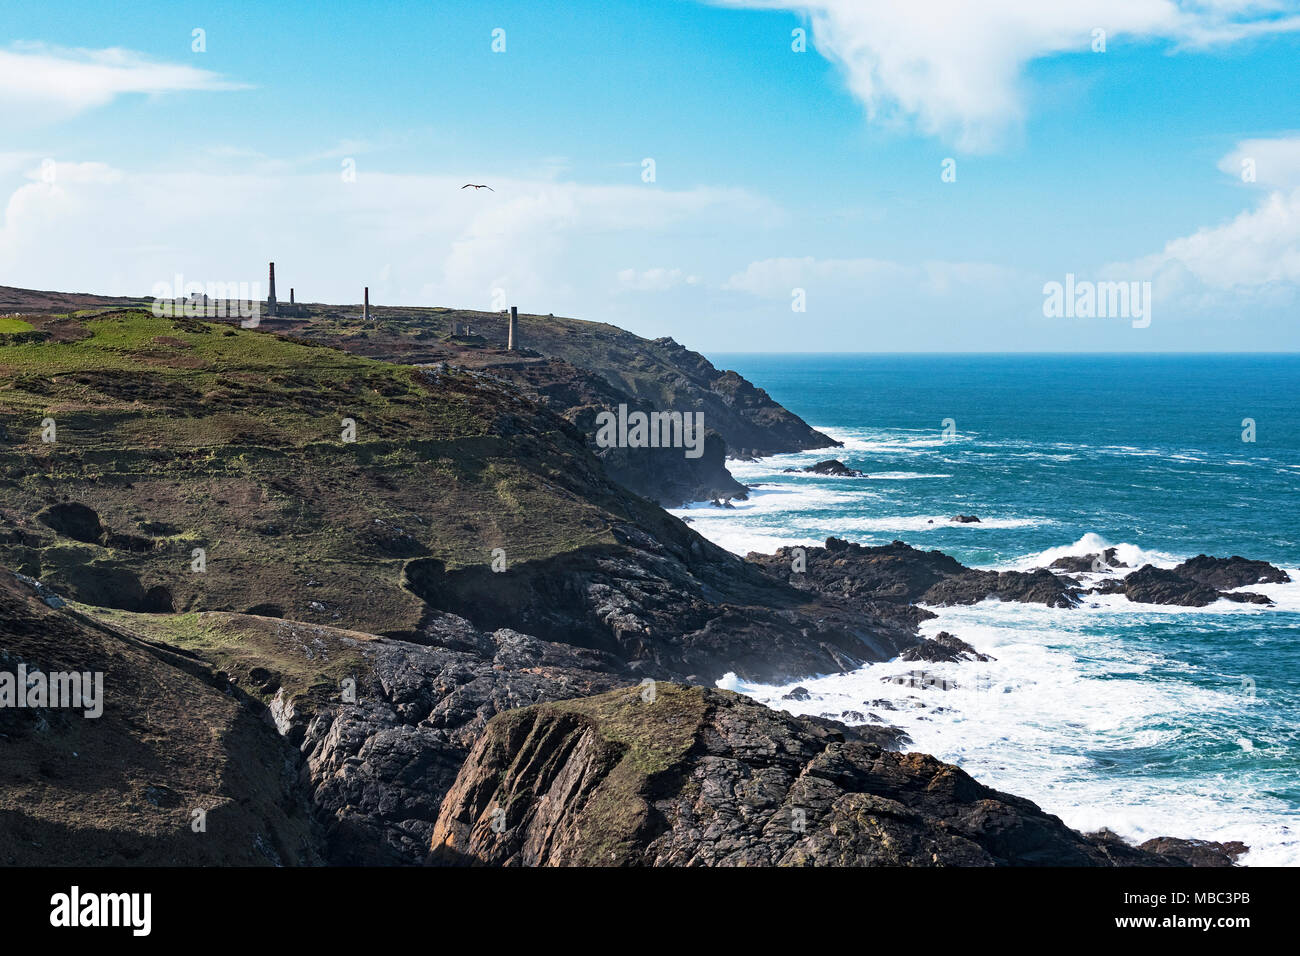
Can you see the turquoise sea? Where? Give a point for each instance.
(1150, 720)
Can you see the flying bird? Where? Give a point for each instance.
(469, 185)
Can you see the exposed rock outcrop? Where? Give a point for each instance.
(377, 769)
(1196, 583)
(1097, 562)
(670, 608)
(943, 648)
(888, 578)
(831, 466)
(690, 776)
(1227, 573)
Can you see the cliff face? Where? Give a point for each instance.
(689, 776)
(658, 372)
(664, 475)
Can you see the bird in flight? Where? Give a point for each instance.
(469, 185)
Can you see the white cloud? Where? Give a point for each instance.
(955, 67)
(1273, 162)
(1250, 261)
(412, 238)
(1257, 247)
(655, 280)
(41, 84)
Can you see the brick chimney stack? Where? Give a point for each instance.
(270, 297)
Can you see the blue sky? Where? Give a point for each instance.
(131, 158)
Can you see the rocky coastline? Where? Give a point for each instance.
(465, 637)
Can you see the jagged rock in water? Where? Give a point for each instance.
(888, 578)
(943, 648)
(831, 466)
(1228, 573)
(1107, 559)
(1186, 585)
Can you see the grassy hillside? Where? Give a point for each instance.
(171, 435)
(122, 788)
(659, 373)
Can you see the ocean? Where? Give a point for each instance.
(1149, 720)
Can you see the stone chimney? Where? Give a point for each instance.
(514, 325)
(270, 296)
(291, 295)
(366, 312)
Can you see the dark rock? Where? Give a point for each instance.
(888, 579)
(705, 777)
(675, 604)
(1089, 562)
(965, 519)
(1246, 597)
(1228, 573)
(378, 769)
(161, 796)
(799, 693)
(1197, 582)
(830, 466)
(1152, 585)
(1196, 852)
(943, 648)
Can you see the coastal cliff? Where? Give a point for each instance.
(355, 572)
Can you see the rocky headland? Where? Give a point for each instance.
(385, 570)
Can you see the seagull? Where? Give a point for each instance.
(488, 188)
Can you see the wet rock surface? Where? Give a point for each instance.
(943, 648)
(1196, 583)
(831, 466)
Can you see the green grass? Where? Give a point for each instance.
(231, 440)
(309, 662)
(9, 326)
